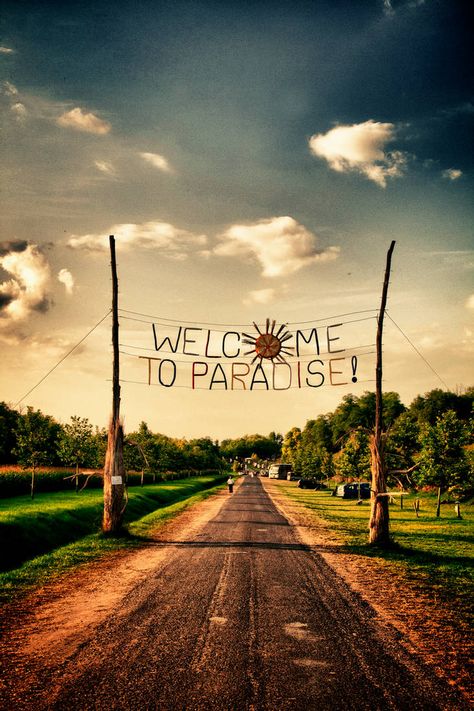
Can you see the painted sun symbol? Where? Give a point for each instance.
(268, 344)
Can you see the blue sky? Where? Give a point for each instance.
(253, 160)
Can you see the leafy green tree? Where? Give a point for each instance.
(8, 426)
(442, 459)
(290, 449)
(76, 445)
(428, 407)
(247, 446)
(313, 454)
(401, 449)
(356, 412)
(100, 442)
(139, 451)
(353, 461)
(36, 441)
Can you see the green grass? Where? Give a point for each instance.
(433, 554)
(16, 583)
(29, 528)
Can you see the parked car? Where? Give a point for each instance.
(354, 490)
(309, 484)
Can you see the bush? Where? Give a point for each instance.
(15, 481)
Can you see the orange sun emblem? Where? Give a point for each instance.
(269, 345)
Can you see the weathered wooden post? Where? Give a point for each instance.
(114, 470)
(379, 531)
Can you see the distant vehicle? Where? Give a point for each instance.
(308, 484)
(279, 471)
(351, 491)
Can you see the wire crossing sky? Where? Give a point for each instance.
(254, 161)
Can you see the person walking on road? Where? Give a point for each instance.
(230, 484)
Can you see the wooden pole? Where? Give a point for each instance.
(115, 332)
(379, 531)
(114, 470)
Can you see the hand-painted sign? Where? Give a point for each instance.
(272, 358)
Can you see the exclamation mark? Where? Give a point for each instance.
(354, 368)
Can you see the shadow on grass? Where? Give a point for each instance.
(397, 551)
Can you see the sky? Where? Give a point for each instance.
(253, 160)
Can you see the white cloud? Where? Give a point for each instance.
(470, 302)
(260, 296)
(452, 173)
(280, 244)
(79, 120)
(157, 161)
(105, 167)
(390, 11)
(172, 241)
(9, 89)
(7, 50)
(66, 278)
(27, 290)
(19, 110)
(16, 106)
(360, 148)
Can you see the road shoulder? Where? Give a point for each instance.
(419, 620)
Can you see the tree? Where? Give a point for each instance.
(354, 459)
(402, 446)
(430, 406)
(354, 412)
(442, 459)
(36, 443)
(290, 448)
(76, 445)
(8, 426)
(252, 445)
(138, 451)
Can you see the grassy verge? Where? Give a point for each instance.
(45, 568)
(432, 554)
(31, 528)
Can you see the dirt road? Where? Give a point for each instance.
(226, 609)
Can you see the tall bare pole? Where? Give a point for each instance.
(115, 334)
(379, 529)
(114, 471)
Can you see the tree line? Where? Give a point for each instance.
(33, 439)
(429, 443)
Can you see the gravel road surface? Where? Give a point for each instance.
(238, 615)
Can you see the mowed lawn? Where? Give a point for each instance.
(434, 553)
(55, 531)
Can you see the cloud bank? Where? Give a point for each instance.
(172, 241)
(360, 148)
(280, 244)
(80, 120)
(27, 290)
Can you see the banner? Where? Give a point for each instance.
(270, 356)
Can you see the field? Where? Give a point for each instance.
(56, 531)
